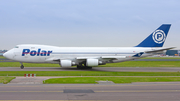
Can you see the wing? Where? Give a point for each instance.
(103, 57)
(85, 58)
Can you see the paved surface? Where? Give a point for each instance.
(93, 92)
(140, 69)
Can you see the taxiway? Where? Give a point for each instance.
(165, 91)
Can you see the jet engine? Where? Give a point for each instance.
(66, 63)
(92, 62)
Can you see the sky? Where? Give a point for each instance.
(86, 23)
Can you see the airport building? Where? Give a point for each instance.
(2, 52)
(172, 53)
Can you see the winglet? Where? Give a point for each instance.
(157, 38)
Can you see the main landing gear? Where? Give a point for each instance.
(22, 66)
(83, 67)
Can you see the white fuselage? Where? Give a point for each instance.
(51, 54)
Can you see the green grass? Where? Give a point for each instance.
(90, 80)
(2, 57)
(6, 80)
(86, 73)
(122, 64)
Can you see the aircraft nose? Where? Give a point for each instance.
(8, 55)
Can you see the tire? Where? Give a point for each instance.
(22, 67)
(83, 67)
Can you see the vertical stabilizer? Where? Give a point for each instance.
(157, 38)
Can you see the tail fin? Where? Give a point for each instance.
(157, 38)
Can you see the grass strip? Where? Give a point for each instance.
(91, 80)
(2, 57)
(122, 64)
(86, 73)
(6, 80)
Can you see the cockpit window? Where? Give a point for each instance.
(16, 47)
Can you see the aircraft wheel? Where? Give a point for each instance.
(22, 67)
(86, 67)
(89, 67)
(79, 67)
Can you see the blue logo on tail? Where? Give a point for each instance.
(157, 38)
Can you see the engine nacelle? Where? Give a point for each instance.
(66, 63)
(92, 62)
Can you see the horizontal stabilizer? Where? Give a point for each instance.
(158, 50)
(138, 54)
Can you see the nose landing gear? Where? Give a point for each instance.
(22, 66)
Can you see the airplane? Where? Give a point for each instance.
(88, 57)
